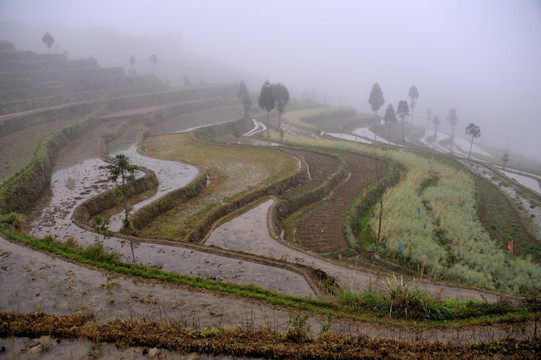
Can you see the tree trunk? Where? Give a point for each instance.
(452, 138)
(471, 144)
(380, 220)
(389, 136)
(132, 253)
(376, 121)
(403, 136)
(279, 120)
(268, 125)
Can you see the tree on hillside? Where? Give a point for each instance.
(154, 60)
(244, 95)
(376, 100)
(505, 157)
(453, 120)
(413, 94)
(122, 169)
(436, 121)
(132, 63)
(428, 117)
(186, 80)
(48, 40)
(266, 101)
(389, 118)
(402, 111)
(475, 132)
(281, 97)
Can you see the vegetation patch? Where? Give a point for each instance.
(503, 222)
(433, 225)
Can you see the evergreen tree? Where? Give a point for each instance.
(436, 121)
(413, 94)
(453, 120)
(244, 95)
(505, 157)
(402, 111)
(266, 101)
(122, 169)
(389, 118)
(132, 63)
(154, 60)
(48, 40)
(475, 132)
(376, 100)
(281, 96)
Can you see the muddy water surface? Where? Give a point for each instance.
(72, 185)
(32, 281)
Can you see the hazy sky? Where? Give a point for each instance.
(482, 57)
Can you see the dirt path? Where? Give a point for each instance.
(320, 229)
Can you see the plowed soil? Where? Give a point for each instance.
(320, 229)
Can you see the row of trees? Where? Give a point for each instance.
(153, 59)
(271, 96)
(376, 100)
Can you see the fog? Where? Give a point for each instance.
(482, 57)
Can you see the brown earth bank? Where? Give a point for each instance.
(320, 229)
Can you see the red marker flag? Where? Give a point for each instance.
(510, 246)
(364, 192)
(459, 199)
